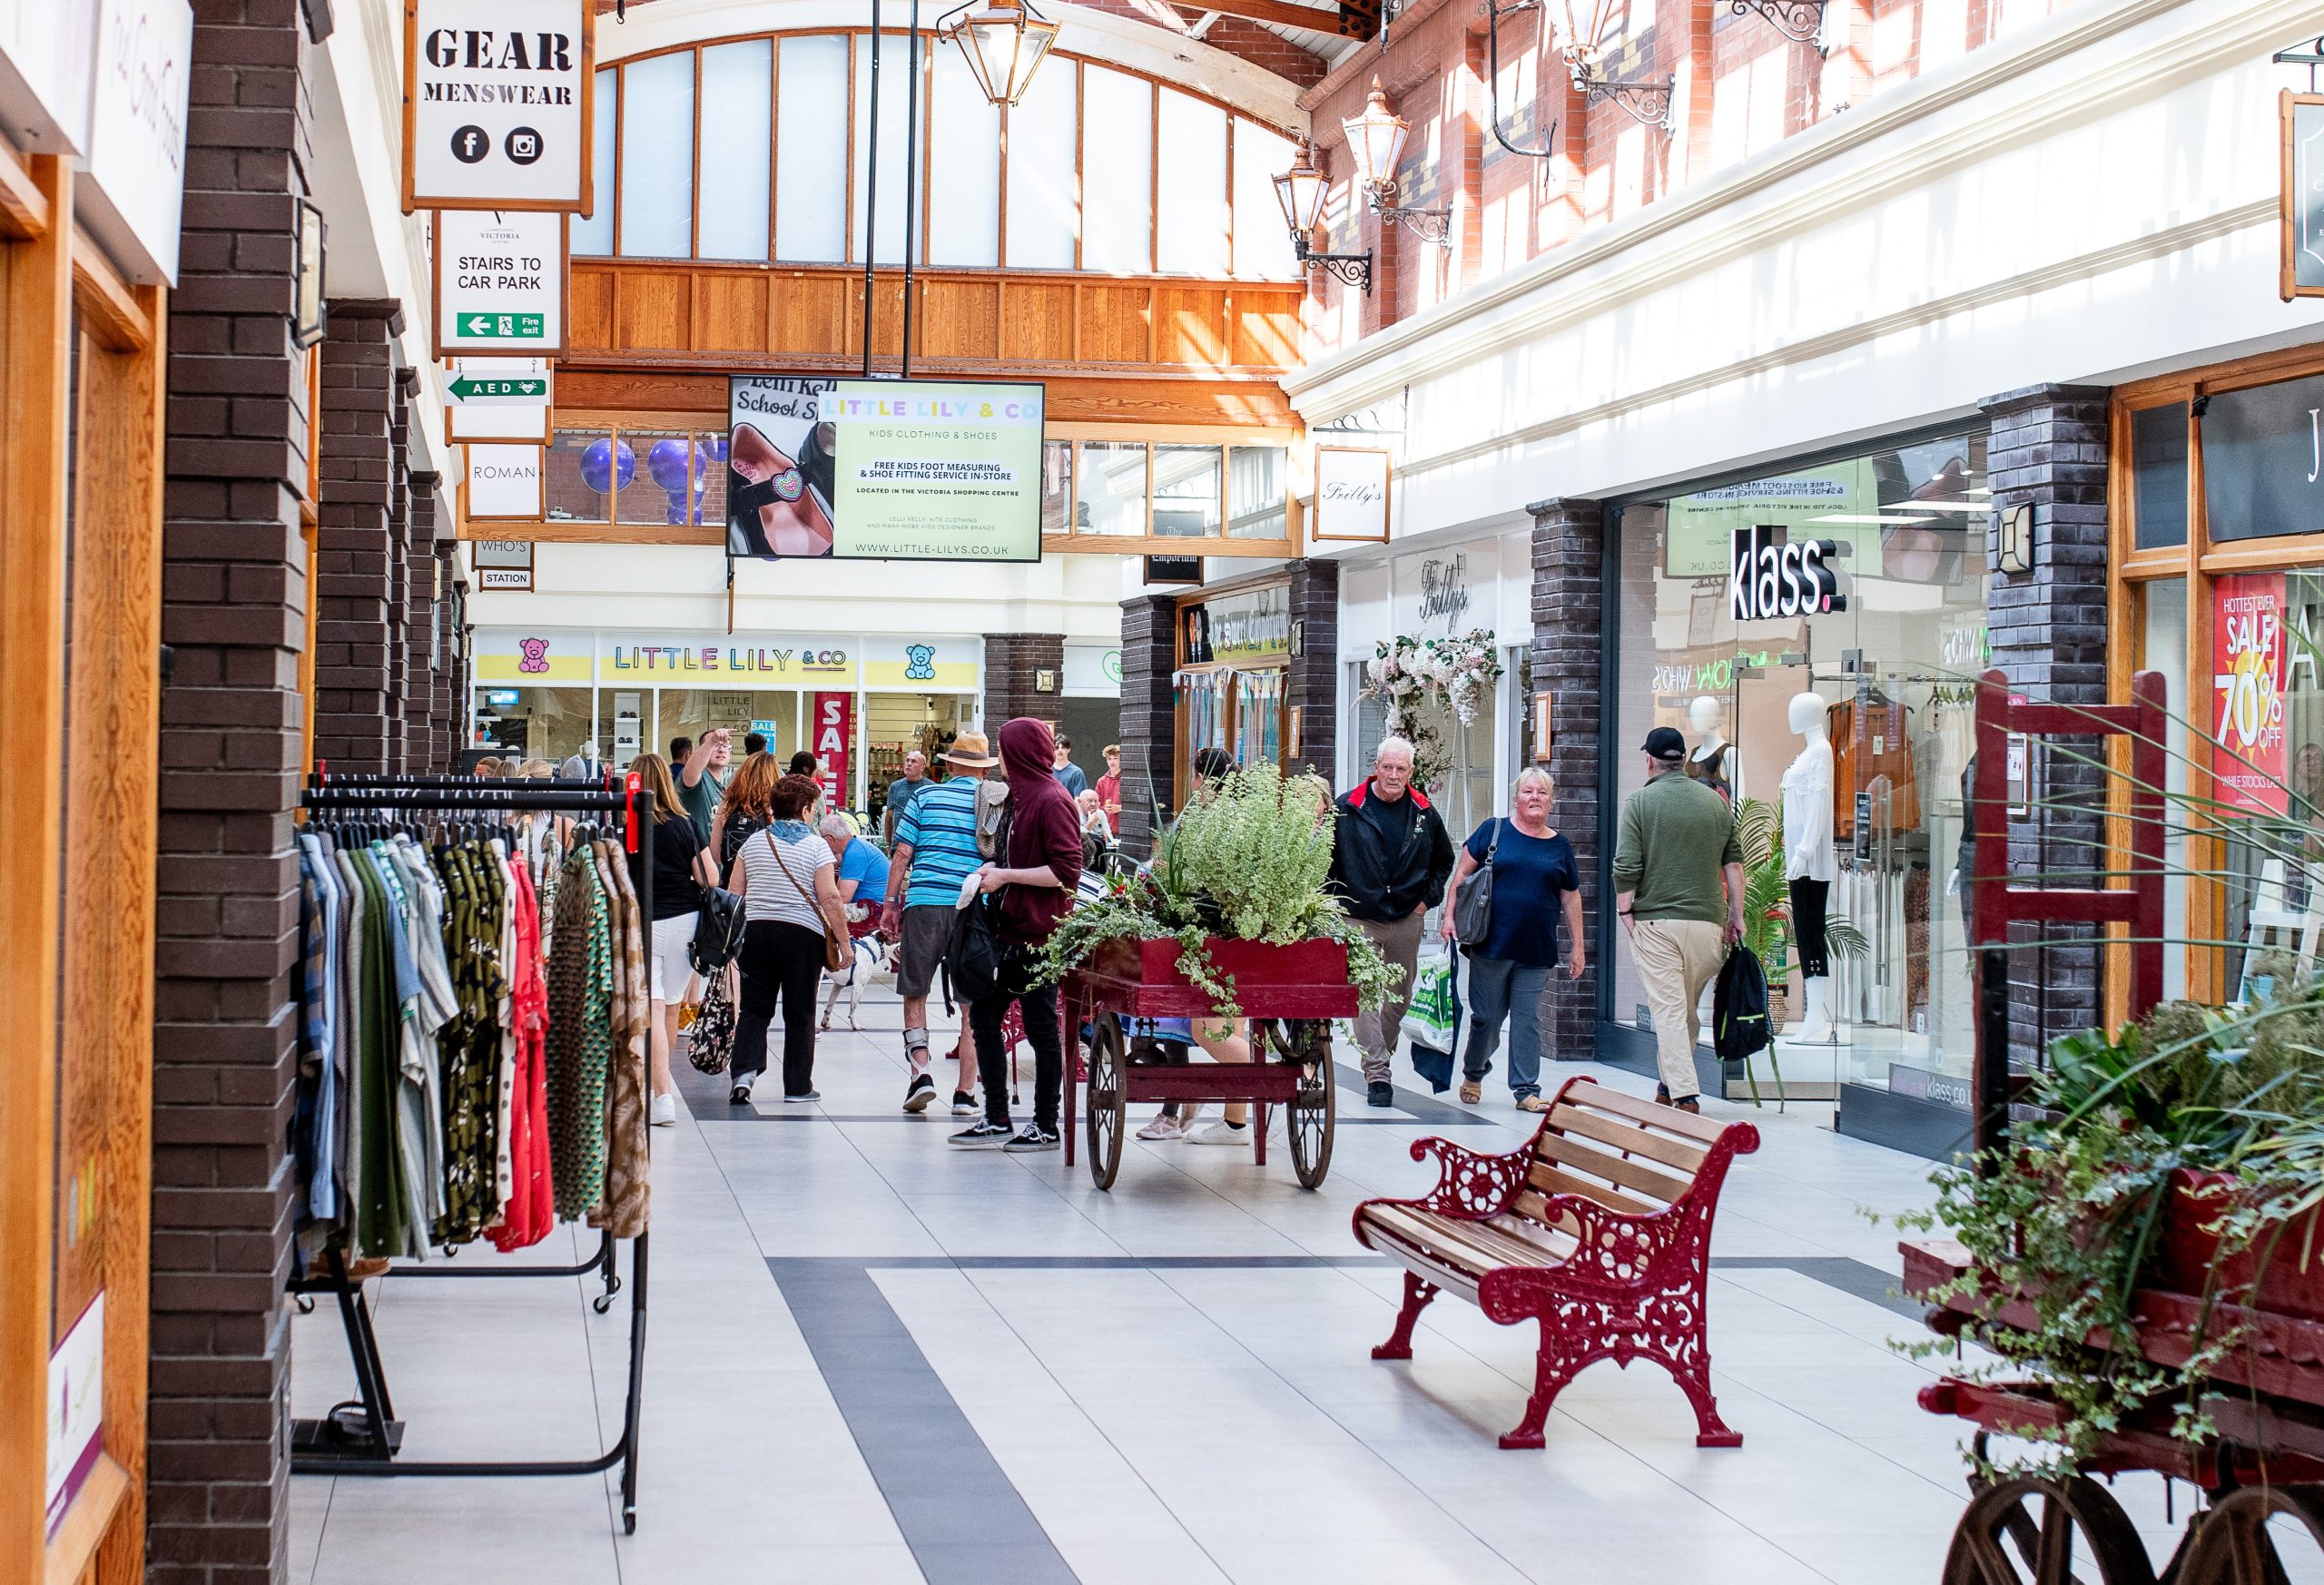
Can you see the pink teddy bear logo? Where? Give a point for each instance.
(536, 655)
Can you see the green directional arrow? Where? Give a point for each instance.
(470, 389)
(501, 327)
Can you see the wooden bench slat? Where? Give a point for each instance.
(1671, 1119)
(1554, 1180)
(1679, 1155)
(1564, 1150)
(1443, 1237)
(1452, 1279)
(1541, 1239)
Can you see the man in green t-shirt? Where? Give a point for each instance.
(702, 780)
(1677, 880)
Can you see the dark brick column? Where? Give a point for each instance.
(1314, 682)
(2048, 447)
(234, 582)
(403, 725)
(1013, 663)
(1149, 726)
(353, 705)
(1569, 646)
(425, 695)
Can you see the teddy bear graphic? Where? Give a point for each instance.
(535, 655)
(920, 662)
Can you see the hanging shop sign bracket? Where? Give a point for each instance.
(499, 283)
(2301, 211)
(498, 117)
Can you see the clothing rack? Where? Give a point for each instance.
(369, 1444)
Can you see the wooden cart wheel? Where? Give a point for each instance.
(2031, 1532)
(2247, 1537)
(1309, 1117)
(1109, 1099)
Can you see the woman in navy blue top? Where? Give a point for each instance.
(1535, 880)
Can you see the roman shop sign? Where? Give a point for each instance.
(1351, 494)
(1769, 579)
(499, 284)
(504, 482)
(498, 96)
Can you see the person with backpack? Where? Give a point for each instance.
(1024, 894)
(935, 852)
(1529, 880)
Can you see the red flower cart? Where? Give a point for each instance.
(1290, 993)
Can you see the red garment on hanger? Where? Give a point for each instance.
(531, 1209)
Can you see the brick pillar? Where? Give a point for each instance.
(426, 696)
(352, 700)
(1569, 644)
(2049, 448)
(233, 614)
(1013, 664)
(402, 723)
(1314, 683)
(1149, 703)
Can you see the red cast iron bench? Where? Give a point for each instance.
(1600, 1230)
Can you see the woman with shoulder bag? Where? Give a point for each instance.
(1526, 877)
(677, 899)
(792, 907)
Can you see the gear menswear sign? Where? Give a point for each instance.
(499, 283)
(498, 96)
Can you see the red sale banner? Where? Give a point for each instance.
(2248, 675)
(832, 729)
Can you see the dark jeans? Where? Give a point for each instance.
(1503, 991)
(1038, 1007)
(783, 960)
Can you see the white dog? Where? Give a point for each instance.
(870, 963)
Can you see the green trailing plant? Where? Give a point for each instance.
(1247, 859)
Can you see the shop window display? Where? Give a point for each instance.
(533, 723)
(691, 712)
(895, 725)
(1890, 666)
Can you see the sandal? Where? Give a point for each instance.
(1472, 1093)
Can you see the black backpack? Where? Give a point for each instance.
(1738, 1015)
(975, 959)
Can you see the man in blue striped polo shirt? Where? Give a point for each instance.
(935, 854)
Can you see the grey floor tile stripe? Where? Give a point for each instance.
(1435, 1113)
(1850, 1276)
(963, 1519)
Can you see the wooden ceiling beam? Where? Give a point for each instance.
(1347, 22)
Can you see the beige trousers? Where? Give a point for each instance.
(1676, 959)
(1398, 940)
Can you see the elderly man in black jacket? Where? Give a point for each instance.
(1390, 861)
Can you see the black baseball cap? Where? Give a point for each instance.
(1665, 744)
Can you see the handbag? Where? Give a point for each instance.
(1472, 904)
(711, 1036)
(718, 930)
(837, 950)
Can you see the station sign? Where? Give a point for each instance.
(499, 283)
(503, 564)
(497, 104)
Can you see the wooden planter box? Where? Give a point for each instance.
(2282, 1275)
(1252, 963)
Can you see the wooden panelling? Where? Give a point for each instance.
(589, 311)
(1010, 324)
(957, 319)
(652, 311)
(564, 533)
(730, 314)
(35, 285)
(1139, 402)
(1190, 325)
(813, 315)
(1116, 323)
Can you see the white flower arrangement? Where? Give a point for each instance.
(1421, 680)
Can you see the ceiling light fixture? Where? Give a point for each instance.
(1004, 42)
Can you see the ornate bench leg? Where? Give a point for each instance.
(1711, 1431)
(1682, 1347)
(1417, 1294)
(1551, 1374)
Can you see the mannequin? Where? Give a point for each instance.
(1808, 860)
(1710, 762)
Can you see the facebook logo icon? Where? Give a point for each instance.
(470, 145)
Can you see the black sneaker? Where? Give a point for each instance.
(1380, 1093)
(739, 1096)
(919, 1093)
(985, 1135)
(805, 1095)
(1034, 1138)
(964, 1104)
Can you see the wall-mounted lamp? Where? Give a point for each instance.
(1300, 191)
(1376, 138)
(2014, 544)
(1583, 43)
(309, 311)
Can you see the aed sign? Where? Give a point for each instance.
(1769, 579)
(497, 105)
(500, 284)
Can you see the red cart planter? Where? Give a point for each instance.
(1289, 992)
(2265, 1464)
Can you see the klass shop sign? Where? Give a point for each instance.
(1767, 580)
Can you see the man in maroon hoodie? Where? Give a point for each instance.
(1035, 880)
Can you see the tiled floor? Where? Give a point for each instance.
(872, 1358)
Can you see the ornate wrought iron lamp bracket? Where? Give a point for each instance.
(1355, 269)
(1800, 21)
